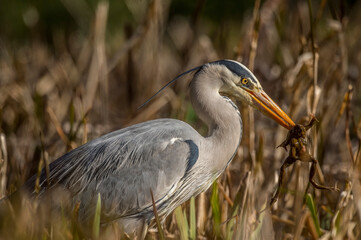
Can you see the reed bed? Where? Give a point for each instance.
(56, 95)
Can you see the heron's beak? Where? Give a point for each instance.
(269, 107)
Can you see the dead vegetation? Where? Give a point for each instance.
(299, 151)
(307, 54)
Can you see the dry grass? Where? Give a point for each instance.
(307, 57)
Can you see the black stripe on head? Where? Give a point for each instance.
(237, 68)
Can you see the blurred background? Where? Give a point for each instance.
(71, 71)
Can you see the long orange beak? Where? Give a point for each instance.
(271, 108)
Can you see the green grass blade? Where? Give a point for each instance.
(256, 234)
(216, 211)
(232, 219)
(311, 206)
(192, 221)
(96, 223)
(337, 221)
(182, 223)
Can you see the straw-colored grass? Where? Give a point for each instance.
(55, 97)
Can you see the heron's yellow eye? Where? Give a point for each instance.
(244, 81)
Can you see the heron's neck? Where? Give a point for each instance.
(223, 120)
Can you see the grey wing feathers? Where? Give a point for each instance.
(124, 165)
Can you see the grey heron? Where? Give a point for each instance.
(166, 156)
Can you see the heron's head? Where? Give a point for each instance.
(243, 85)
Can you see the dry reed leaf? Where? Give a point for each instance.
(3, 165)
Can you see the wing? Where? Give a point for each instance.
(125, 165)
